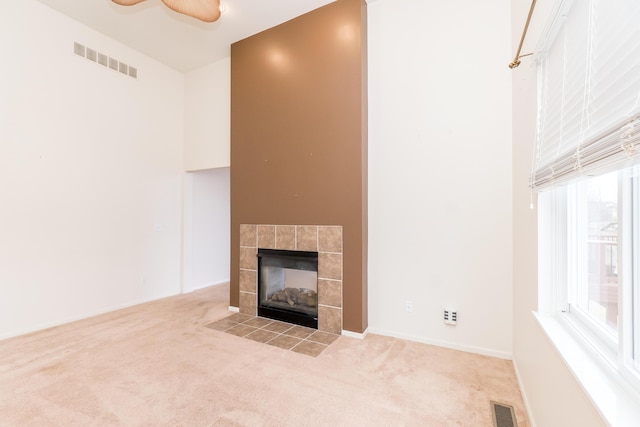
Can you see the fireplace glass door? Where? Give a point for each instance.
(288, 286)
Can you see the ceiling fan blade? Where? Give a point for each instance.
(204, 10)
(127, 2)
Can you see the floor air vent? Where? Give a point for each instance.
(503, 415)
(104, 60)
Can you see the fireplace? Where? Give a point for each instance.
(288, 286)
(323, 240)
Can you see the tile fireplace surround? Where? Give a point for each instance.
(324, 239)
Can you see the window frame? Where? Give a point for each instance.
(629, 350)
(558, 277)
(576, 197)
(609, 141)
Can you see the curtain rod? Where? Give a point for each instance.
(516, 60)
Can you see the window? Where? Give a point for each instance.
(594, 291)
(586, 171)
(590, 251)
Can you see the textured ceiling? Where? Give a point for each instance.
(181, 42)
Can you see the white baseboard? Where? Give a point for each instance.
(206, 285)
(357, 335)
(234, 309)
(523, 392)
(72, 319)
(446, 344)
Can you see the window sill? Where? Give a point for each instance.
(617, 403)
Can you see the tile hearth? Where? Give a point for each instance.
(286, 336)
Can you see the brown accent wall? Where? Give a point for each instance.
(298, 136)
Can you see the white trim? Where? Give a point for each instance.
(207, 285)
(234, 309)
(617, 403)
(72, 319)
(525, 398)
(357, 335)
(446, 344)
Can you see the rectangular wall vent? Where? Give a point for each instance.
(92, 55)
(105, 60)
(503, 415)
(78, 49)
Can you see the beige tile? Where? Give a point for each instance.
(307, 238)
(248, 303)
(261, 336)
(248, 236)
(323, 337)
(248, 259)
(278, 327)
(329, 319)
(285, 342)
(286, 237)
(309, 348)
(299, 332)
(221, 325)
(330, 239)
(330, 266)
(267, 236)
(241, 330)
(239, 317)
(248, 281)
(258, 322)
(330, 292)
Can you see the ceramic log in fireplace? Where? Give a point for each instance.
(288, 286)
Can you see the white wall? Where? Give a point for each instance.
(208, 116)
(550, 391)
(207, 228)
(90, 167)
(440, 229)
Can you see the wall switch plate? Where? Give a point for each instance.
(450, 317)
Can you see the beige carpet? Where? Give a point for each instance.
(157, 364)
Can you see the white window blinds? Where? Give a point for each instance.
(589, 91)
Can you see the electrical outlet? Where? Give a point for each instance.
(450, 317)
(408, 306)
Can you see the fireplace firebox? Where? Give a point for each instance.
(288, 286)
